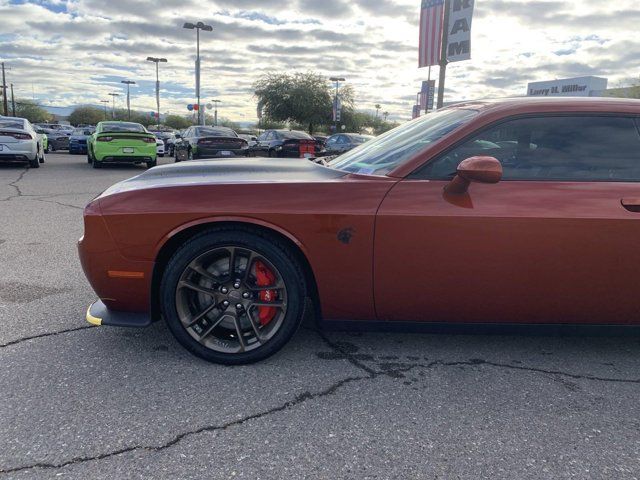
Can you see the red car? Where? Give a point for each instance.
(516, 211)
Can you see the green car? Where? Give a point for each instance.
(121, 142)
(44, 139)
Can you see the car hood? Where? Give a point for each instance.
(242, 171)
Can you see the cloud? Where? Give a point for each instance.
(76, 51)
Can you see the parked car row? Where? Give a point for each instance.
(128, 142)
(220, 142)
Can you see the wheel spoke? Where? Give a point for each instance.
(255, 327)
(267, 304)
(236, 322)
(254, 288)
(232, 263)
(199, 317)
(203, 272)
(213, 326)
(247, 269)
(197, 288)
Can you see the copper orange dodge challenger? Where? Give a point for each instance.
(513, 211)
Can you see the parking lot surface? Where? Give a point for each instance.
(78, 401)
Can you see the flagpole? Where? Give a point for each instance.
(426, 107)
(443, 53)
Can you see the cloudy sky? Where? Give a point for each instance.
(67, 52)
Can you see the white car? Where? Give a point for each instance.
(159, 147)
(19, 142)
(252, 140)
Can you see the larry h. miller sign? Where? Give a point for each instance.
(568, 87)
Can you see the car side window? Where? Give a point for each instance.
(342, 140)
(561, 148)
(331, 140)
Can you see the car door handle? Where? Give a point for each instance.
(631, 204)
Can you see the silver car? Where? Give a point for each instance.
(19, 142)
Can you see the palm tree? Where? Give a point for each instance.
(378, 107)
(385, 115)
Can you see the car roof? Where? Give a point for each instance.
(540, 104)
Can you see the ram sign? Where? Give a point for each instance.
(568, 87)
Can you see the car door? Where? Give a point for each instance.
(555, 241)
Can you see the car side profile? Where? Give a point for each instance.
(121, 142)
(518, 211)
(343, 142)
(19, 142)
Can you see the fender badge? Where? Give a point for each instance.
(345, 235)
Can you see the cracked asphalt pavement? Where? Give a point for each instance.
(82, 402)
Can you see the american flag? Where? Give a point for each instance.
(431, 19)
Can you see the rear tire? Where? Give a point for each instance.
(96, 164)
(290, 281)
(152, 164)
(35, 163)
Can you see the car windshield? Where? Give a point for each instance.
(11, 124)
(395, 147)
(293, 134)
(122, 127)
(81, 132)
(216, 132)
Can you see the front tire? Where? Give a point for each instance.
(216, 300)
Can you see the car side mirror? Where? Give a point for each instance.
(474, 169)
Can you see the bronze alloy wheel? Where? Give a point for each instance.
(231, 299)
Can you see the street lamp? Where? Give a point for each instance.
(157, 60)
(207, 28)
(215, 112)
(105, 107)
(128, 83)
(113, 110)
(335, 101)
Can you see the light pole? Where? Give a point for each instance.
(157, 60)
(207, 28)
(105, 107)
(335, 101)
(113, 110)
(128, 83)
(215, 112)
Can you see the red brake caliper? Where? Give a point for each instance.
(264, 278)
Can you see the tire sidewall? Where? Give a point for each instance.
(284, 262)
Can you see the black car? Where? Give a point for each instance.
(343, 142)
(285, 143)
(58, 139)
(209, 142)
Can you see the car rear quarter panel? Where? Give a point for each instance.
(332, 222)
